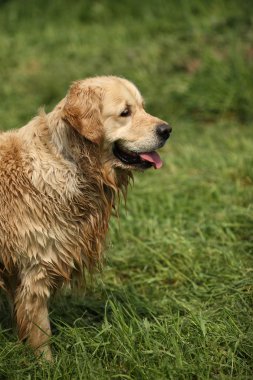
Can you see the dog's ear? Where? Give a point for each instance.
(82, 110)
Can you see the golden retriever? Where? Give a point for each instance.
(60, 176)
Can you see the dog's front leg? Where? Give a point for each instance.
(31, 308)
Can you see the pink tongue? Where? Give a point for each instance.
(152, 157)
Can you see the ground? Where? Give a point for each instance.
(176, 295)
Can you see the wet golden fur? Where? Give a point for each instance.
(58, 184)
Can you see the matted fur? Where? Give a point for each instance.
(58, 184)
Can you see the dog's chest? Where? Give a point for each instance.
(59, 218)
(77, 208)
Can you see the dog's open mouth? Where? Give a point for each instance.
(143, 160)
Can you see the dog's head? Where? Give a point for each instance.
(109, 111)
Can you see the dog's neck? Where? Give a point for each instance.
(87, 156)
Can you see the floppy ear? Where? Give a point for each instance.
(82, 111)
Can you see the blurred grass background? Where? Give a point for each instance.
(175, 299)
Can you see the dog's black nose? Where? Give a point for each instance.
(164, 131)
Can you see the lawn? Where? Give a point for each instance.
(175, 299)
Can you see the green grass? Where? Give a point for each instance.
(175, 299)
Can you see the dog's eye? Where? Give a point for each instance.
(126, 112)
